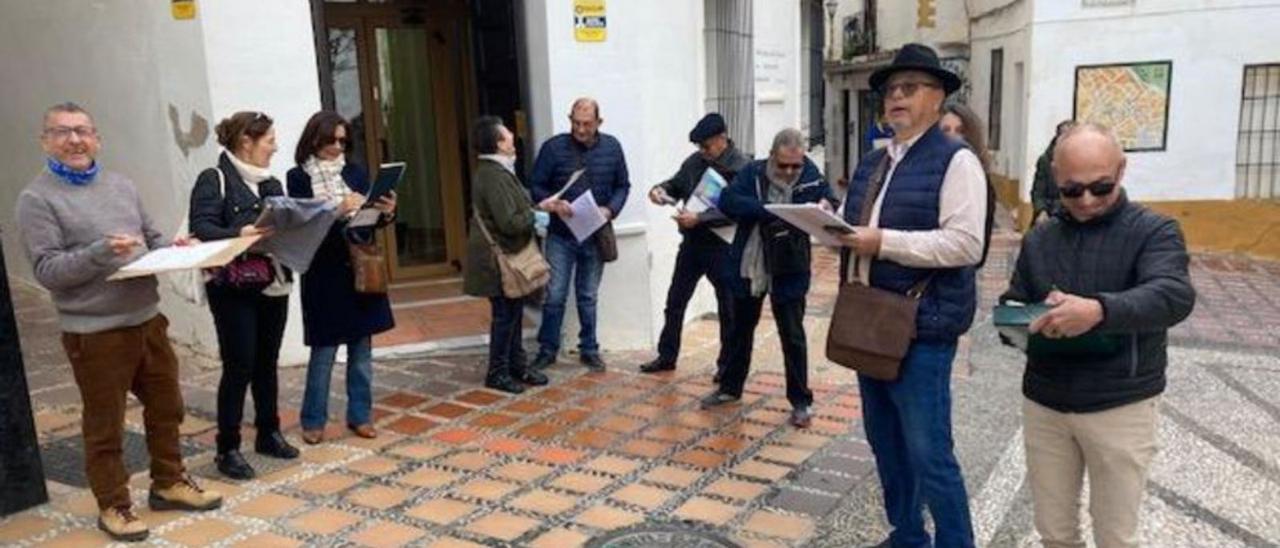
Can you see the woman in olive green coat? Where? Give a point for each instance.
(503, 205)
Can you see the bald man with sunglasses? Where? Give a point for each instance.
(1114, 275)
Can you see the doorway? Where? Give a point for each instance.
(401, 75)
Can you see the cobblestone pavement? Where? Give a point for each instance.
(459, 465)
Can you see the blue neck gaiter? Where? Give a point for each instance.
(70, 175)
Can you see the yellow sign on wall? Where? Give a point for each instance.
(589, 24)
(183, 9)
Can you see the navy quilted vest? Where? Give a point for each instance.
(911, 203)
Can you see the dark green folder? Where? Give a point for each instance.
(1012, 322)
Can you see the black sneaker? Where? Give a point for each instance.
(274, 445)
(532, 378)
(658, 365)
(716, 399)
(593, 362)
(543, 361)
(504, 383)
(233, 465)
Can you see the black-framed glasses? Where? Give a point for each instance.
(908, 89)
(790, 167)
(1073, 189)
(62, 133)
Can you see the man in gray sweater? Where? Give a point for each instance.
(79, 225)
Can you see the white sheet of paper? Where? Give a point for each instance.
(810, 218)
(586, 219)
(180, 257)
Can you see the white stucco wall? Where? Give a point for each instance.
(778, 72)
(647, 78)
(1006, 26)
(897, 23)
(127, 61)
(1209, 43)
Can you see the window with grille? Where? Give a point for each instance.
(997, 97)
(1258, 144)
(731, 67)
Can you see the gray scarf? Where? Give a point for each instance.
(753, 267)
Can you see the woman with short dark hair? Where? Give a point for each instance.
(249, 298)
(333, 313)
(503, 211)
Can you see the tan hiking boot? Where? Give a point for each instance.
(184, 495)
(121, 524)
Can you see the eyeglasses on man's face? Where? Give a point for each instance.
(790, 166)
(62, 133)
(908, 89)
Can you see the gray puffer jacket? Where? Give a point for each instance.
(1133, 261)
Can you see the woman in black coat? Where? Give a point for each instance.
(333, 314)
(249, 312)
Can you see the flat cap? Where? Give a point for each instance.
(709, 126)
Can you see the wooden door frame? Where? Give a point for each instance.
(435, 19)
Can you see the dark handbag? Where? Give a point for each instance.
(607, 242)
(368, 263)
(247, 272)
(872, 328)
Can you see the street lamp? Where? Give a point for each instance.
(831, 6)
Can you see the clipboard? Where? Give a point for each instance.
(174, 258)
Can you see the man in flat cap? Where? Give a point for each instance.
(921, 203)
(702, 251)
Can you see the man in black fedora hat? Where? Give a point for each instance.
(702, 252)
(925, 199)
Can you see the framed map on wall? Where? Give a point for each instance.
(1130, 98)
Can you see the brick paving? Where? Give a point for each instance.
(460, 465)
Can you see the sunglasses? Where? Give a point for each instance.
(790, 167)
(1073, 189)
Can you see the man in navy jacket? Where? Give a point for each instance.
(771, 257)
(605, 177)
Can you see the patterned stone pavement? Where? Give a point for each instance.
(459, 465)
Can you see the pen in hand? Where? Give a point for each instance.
(122, 244)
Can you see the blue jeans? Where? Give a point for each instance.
(315, 401)
(582, 264)
(908, 424)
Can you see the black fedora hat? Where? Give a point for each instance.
(916, 57)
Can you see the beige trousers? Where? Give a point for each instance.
(1114, 447)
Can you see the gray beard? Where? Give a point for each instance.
(777, 177)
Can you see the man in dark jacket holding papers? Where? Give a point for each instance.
(703, 250)
(771, 257)
(1114, 275)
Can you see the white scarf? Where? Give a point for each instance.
(508, 162)
(326, 178)
(251, 174)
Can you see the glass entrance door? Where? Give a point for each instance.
(398, 80)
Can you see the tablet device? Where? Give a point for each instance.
(389, 176)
